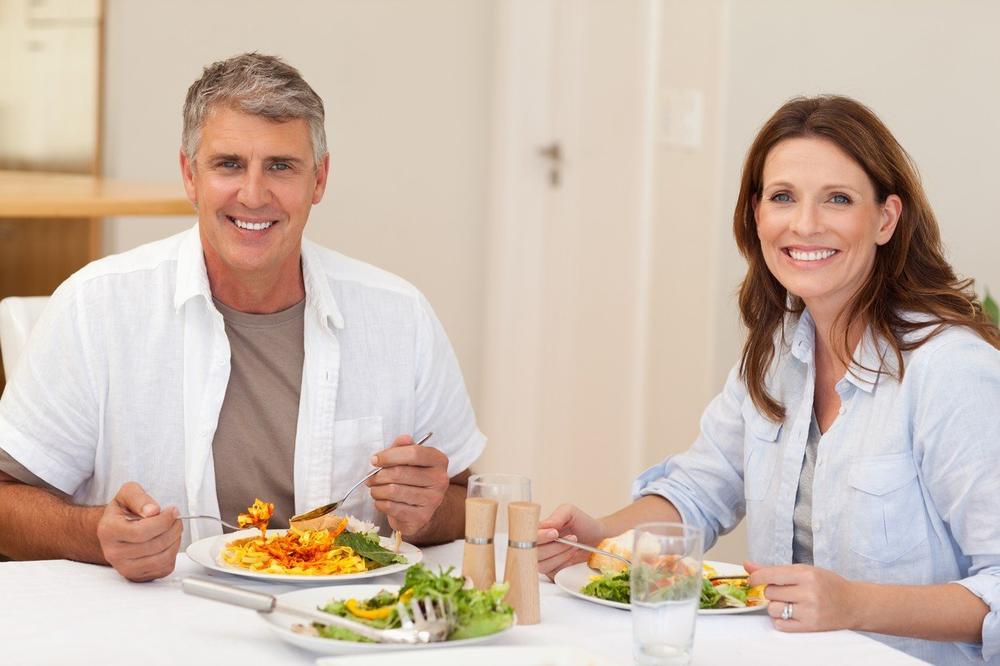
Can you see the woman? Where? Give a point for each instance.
(859, 432)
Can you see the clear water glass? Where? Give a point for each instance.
(504, 488)
(665, 587)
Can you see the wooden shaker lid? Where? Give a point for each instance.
(523, 520)
(480, 517)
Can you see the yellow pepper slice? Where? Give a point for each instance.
(353, 606)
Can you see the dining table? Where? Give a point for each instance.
(63, 612)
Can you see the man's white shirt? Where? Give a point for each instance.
(125, 372)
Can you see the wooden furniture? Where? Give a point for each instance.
(30, 194)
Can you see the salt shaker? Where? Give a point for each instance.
(521, 570)
(478, 560)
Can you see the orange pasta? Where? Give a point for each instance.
(257, 515)
(297, 552)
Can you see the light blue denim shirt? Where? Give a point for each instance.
(907, 480)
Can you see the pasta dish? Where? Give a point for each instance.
(324, 552)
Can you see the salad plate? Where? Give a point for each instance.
(318, 597)
(574, 578)
(208, 553)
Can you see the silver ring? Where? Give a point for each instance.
(479, 541)
(788, 611)
(523, 545)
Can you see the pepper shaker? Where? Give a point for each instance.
(521, 570)
(478, 560)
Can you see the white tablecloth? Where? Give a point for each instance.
(59, 612)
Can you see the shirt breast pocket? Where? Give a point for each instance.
(355, 441)
(760, 453)
(886, 507)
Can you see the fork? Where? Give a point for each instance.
(418, 632)
(131, 517)
(591, 549)
(436, 617)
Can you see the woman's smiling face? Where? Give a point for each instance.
(819, 222)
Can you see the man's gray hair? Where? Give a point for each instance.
(260, 85)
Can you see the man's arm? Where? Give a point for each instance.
(39, 525)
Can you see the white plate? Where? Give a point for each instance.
(573, 579)
(314, 597)
(503, 655)
(206, 552)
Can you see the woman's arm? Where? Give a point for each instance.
(824, 601)
(908, 610)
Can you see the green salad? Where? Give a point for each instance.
(478, 612)
(724, 593)
(610, 587)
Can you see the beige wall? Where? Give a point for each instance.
(687, 203)
(929, 68)
(407, 92)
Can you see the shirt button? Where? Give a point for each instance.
(816, 526)
(843, 410)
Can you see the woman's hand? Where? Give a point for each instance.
(821, 600)
(569, 522)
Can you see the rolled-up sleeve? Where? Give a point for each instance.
(957, 435)
(986, 586)
(705, 483)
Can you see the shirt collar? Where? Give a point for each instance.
(319, 294)
(804, 338)
(192, 279)
(872, 357)
(192, 276)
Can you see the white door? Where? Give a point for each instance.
(568, 252)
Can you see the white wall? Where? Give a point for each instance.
(407, 92)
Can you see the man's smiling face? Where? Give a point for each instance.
(254, 181)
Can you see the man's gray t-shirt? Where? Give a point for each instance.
(254, 444)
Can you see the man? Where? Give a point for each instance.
(233, 361)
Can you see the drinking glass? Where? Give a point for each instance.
(504, 488)
(665, 587)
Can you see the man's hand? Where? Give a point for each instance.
(144, 549)
(412, 484)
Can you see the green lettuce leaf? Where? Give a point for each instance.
(368, 549)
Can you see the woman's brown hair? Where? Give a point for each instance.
(910, 273)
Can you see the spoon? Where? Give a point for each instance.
(330, 508)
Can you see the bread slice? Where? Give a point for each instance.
(619, 545)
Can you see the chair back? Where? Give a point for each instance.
(18, 315)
